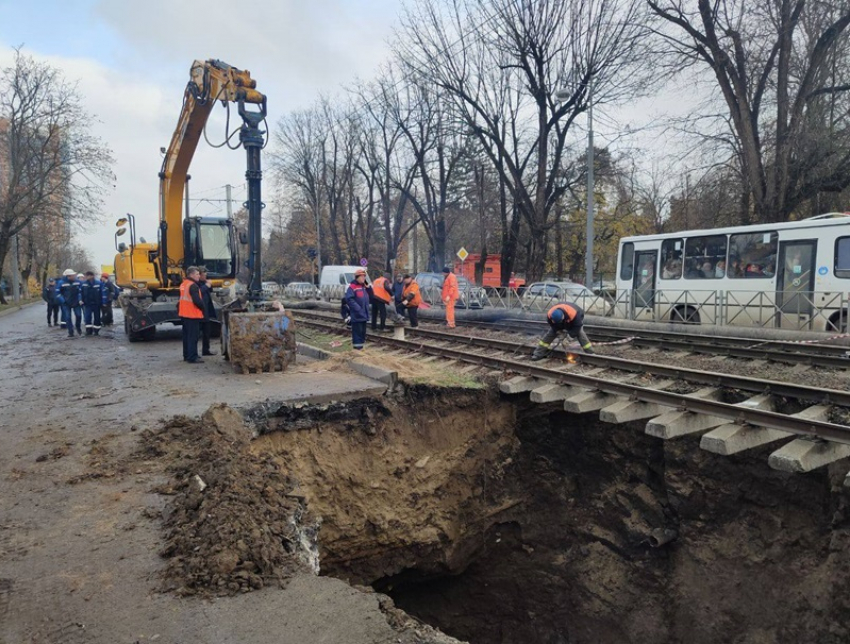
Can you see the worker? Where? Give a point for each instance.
(567, 317)
(112, 291)
(357, 299)
(381, 296)
(412, 298)
(209, 311)
(398, 293)
(450, 295)
(49, 295)
(70, 299)
(94, 297)
(190, 309)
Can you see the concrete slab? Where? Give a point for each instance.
(624, 411)
(734, 438)
(519, 385)
(586, 400)
(551, 392)
(389, 378)
(807, 454)
(675, 422)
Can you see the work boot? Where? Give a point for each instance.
(208, 353)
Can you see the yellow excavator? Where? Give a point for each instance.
(255, 334)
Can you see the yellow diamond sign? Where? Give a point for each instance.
(462, 254)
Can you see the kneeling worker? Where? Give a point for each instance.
(566, 317)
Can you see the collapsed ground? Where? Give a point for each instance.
(501, 521)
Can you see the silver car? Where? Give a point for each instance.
(541, 296)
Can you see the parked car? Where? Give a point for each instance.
(431, 287)
(271, 289)
(335, 280)
(540, 296)
(300, 291)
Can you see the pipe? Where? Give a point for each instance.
(662, 536)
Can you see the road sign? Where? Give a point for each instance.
(364, 262)
(462, 254)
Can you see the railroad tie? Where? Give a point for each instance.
(808, 453)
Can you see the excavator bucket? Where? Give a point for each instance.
(258, 340)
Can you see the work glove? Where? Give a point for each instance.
(348, 320)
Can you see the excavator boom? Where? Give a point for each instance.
(210, 81)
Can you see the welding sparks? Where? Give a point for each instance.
(572, 358)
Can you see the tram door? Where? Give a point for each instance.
(795, 283)
(643, 285)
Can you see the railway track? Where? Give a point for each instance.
(613, 377)
(828, 356)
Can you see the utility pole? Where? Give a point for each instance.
(16, 273)
(591, 189)
(318, 246)
(415, 253)
(228, 190)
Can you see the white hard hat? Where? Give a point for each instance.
(69, 271)
(80, 276)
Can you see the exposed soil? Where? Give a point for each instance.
(756, 555)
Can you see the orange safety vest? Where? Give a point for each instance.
(570, 313)
(413, 287)
(186, 307)
(450, 289)
(380, 290)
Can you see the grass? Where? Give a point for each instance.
(325, 341)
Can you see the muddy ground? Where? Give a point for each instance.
(80, 533)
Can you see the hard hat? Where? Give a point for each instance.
(359, 271)
(557, 316)
(69, 271)
(105, 276)
(80, 276)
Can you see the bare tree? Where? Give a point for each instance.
(51, 166)
(780, 66)
(501, 62)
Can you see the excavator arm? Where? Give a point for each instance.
(210, 81)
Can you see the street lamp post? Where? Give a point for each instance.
(591, 189)
(564, 95)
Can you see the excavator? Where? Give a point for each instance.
(256, 334)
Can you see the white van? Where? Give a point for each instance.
(335, 280)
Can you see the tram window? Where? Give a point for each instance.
(705, 257)
(671, 258)
(842, 257)
(627, 261)
(753, 255)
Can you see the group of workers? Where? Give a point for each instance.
(78, 298)
(362, 298)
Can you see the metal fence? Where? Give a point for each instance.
(795, 310)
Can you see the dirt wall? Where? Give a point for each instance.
(399, 483)
(758, 555)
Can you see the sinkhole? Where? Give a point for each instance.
(500, 521)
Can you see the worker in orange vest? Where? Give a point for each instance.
(566, 317)
(190, 309)
(450, 295)
(381, 296)
(412, 298)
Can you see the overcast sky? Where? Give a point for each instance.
(132, 61)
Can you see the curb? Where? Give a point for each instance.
(15, 309)
(312, 352)
(389, 378)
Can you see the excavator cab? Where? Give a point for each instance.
(211, 242)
